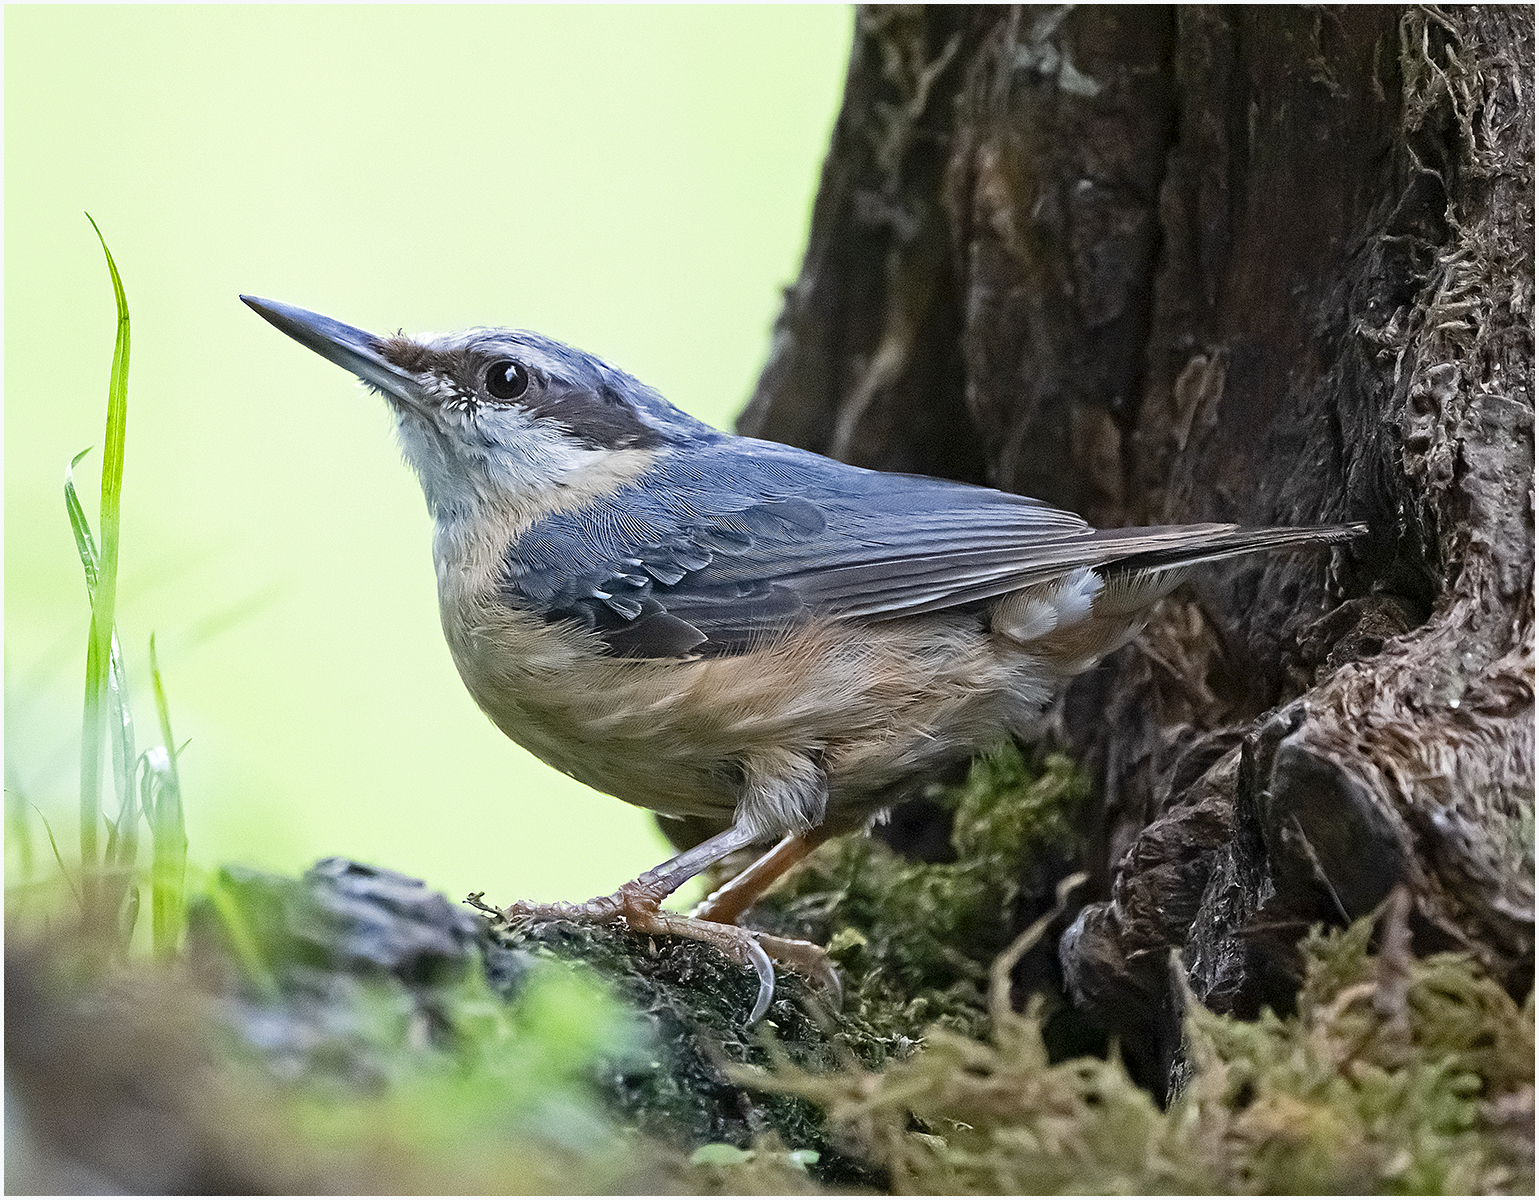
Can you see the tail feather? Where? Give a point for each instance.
(1187, 545)
(1135, 581)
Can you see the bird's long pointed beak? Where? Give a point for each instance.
(352, 349)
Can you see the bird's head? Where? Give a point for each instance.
(488, 414)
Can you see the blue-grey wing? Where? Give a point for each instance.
(715, 551)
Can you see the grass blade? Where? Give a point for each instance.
(90, 733)
(117, 421)
(105, 602)
(125, 830)
(57, 857)
(123, 834)
(168, 831)
(104, 599)
(80, 526)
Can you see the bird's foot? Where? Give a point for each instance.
(810, 960)
(638, 906)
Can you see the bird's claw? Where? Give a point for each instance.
(640, 911)
(761, 964)
(811, 960)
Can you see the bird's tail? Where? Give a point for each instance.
(1155, 560)
(1162, 546)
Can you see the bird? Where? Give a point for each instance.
(721, 628)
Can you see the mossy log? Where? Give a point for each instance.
(1268, 266)
(352, 1031)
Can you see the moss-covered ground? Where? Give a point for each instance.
(352, 1031)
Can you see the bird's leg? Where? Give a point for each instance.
(638, 902)
(740, 893)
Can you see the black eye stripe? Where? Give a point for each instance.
(506, 379)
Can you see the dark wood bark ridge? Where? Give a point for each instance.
(1266, 265)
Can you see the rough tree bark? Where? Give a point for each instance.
(1241, 264)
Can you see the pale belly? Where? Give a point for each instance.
(866, 705)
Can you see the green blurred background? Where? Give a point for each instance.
(636, 181)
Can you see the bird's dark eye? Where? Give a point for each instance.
(506, 379)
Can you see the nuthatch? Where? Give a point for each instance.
(725, 628)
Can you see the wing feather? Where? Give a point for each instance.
(733, 547)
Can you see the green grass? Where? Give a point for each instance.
(162, 799)
(146, 784)
(102, 585)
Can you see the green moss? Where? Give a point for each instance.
(1377, 1084)
(693, 1005)
(914, 940)
(1392, 1077)
(398, 1046)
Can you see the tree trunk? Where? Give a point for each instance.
(1263, 265)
